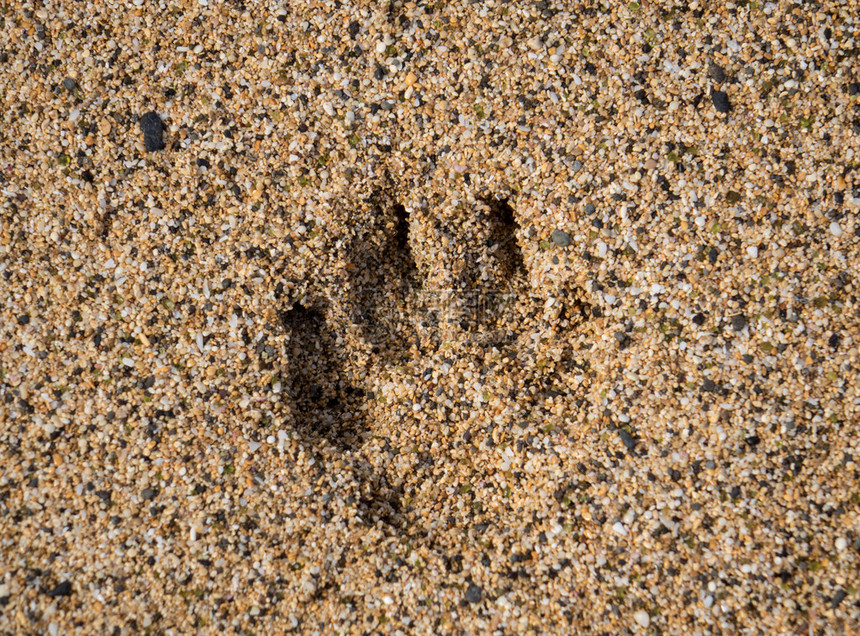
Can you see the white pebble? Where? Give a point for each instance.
(128, 362)
(841, 543)
(254, 446)
(752, 251)
(835, 229)
(618, 528)
(642, 618)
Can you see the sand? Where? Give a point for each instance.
(479, 318)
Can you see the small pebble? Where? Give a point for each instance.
(739, 321)
(642, 619)
(153, 131)
(721, 101)
(838, 598)
(716, 72)
(70, 84)
(473, 593)
(560, 238)
(628, 440)
(62, 589)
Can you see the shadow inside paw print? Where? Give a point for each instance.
(328, 407)
(326, 404)
(381, 278)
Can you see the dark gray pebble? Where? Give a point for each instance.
(739, 321)
(147, 493)
(63, 589)
(70, 84)
(628, 440)
(474, 593)
(721, 101)
(153, 131)
(838, 598)
(717, 73)
(560, 238)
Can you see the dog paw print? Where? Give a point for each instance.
(416, 278)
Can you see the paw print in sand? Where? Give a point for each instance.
(434, 275)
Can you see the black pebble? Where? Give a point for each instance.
(709, 385)
(641, 96)
(153, 131)
(699, 319)
(739, 321)
(63, 589)
(147, 493)
(838, 598)
(834, 341)
(854, 89)
(721, 101)
(474, 593)
(628, 440)
(353, 28)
